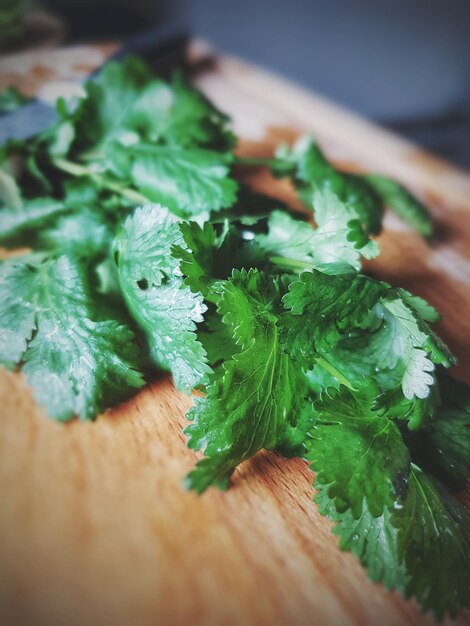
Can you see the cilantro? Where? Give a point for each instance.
(388, 541)
(372, 539)
(196, 255)
(334, 247)
(194, 121)
(322, 307)
(310, 170)
(189, 181)
(443, 448)
(403, 203)
(442, 537)
(255, 400)
(11, 99)
(359, 454)
(76, 365)
(123, 97)
(165, 309)
(365, 196)
(16, 222)
(403, 553)
(126, 99)
(266, 312)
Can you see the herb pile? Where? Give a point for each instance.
(295, 349)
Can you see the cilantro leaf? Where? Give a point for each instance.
(126, 100)
(434, 543)
(255, 400)
(196, 255)
(217, 339)
(208, 255)
(420, 546)
(163, 306)
(358, 454)
(402, 202)
(443, 449)
(86, 233)
(372, 540)
(123, 96)
(16, 224)
(422, 309)
(411, 344)
(334, 247)
(48, 224)
(75, 365)
(194, 121)
(309, 168)
(12, 99)
(393, 345)
(190, 182)
(322, 307)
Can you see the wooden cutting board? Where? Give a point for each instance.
(95, 527)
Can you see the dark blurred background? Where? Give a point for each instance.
(403, 63)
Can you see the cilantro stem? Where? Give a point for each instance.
(75, 169)
(10, 192)
(322, 362)
(286, 262)
(260, 162)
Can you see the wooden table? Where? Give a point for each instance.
(95, 527)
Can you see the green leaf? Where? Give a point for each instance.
(86, 233)
(372, 540)
(189, 181)
(194, 121)
(396, 347)
(162, 305)
(322, 307)
(443, 449)
(217, 339)
(434, 543)
(252, 209)
(256, 399)
(402, 202)
(358, 454)
(334, 247)
(309, 168)
(48, 224)
(11, 99)
(76, 365)
(208, 256)
(320, 380)
(123, 96)
(16, 224)
(126, 102)
(422, 309)
(196, 255)
(420, 546)
(417, 412)
(410, 343)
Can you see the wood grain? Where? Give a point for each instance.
(95, 527)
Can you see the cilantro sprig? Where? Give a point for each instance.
(146, 253)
